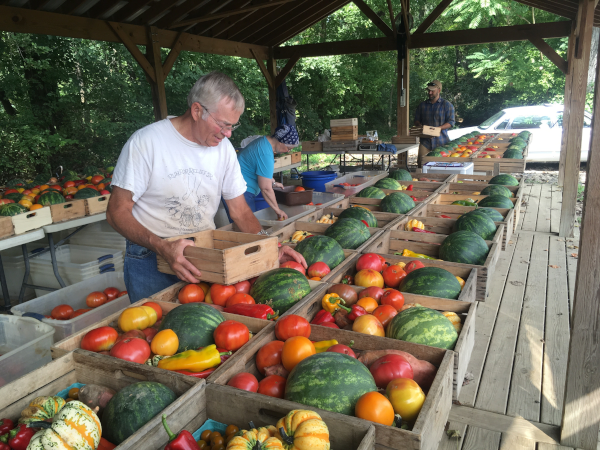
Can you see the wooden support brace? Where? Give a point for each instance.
(272, 70)
(437, 12)
(405, 20)
(158, 89)
(134, 50)
(367, 11)
(263, 69)
(392, 17)
(173, 54)
(283, 73)
(551, 54)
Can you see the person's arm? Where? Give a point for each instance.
(266, 187)
(242, 215)
(418, 117)
(119, 215)
(448, 117)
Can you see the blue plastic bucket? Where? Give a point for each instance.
(260, 202)
(317, 179)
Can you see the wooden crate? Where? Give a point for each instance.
(428, 186)
(390, 242)
(312, 146)
(68, 211)
(418, 175)
(343, 122)
(349, 145)
(340, 204)
(429, 426)
(96, 205)
(296, 157)
(349, 133)
(373, 203)
(226, 257)
(405, 140)
(384, 220)
(498, 166)
(6, 227)
(483, 179)
(31, 220)
(466, 338)
(283, 161)
(91, 368)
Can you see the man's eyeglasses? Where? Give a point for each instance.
(219, 123)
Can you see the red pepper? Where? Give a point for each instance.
(203, 374)
(330, 325)
(418, 230)
(414, 198)
(365, 222)
(19, 437)
(105, 445)
(256, 311)
(410, 187)
(182, 441)
(323, 317)
(4, 446)
(6, 425)
(445, 217)
(355, 312)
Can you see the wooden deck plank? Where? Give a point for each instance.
(555, 210)
(494, 386)
(524, 205)
(533, 204)
(448, 443)
(511, 442)
(526, 384)
(542, 446)
(556, 335)
(544, 207)
(480, 439)
(572, 247)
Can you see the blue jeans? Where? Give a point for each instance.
(249, 196)
(142, 277)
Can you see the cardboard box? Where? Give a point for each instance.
(426, 131)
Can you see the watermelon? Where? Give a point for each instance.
(401, 175)
(16, 182)
(477, 223)
(464, 203)
(194, 324)
(525, 134)
(497, 189)
(421, 325)
(512, 154)
(321, 248)
(12, 209)
(106, 181)
(489, 212)
(280, 288)
(504, 179)
(464, 247)
(371, 192)
(91, 171)
(14, 196)
(397, 203)
(496, 201)
(330, 381)
(388, 183)
(86, 193)
(132, 407)
(51, 198)
(431, 281)
(70, 175)
(360, 214)
(349, 233)
(41, 179)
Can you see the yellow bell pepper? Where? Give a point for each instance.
(412, 254)
(322, 346)
(332, 302)
(192, 360)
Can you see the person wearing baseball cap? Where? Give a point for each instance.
(435, 112)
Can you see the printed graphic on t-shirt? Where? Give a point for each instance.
(187, 213)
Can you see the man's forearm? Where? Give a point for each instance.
(446, 126)
(246, 222)
(126, 225)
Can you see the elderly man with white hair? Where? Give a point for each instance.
(169, 180)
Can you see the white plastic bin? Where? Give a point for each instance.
(326, 199)
(448, 168)
(99, 234)
(24, 346)
(14, 270)
(362, 182)
(74, 296)
(268, 217)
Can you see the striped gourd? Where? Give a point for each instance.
(42, 408)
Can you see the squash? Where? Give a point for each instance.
(455, 319)
(302, 429)
(262, 438)
(74, 427)
(414, 223)
(42, 408)
(408, 306)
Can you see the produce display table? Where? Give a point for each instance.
(401, 148)
(336, 153)
(280, 170)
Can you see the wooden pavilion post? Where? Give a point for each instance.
(575, 92)
(580, 420)
(272, 68)
(403, 112)
(159, 95)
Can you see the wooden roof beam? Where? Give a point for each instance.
(283, 73)
(134, 50)
(336, 48)
(392, 17)
(217, 27)
(437, 12)
(129, 10)
(173, 54)
(551, 54)
(205, 7)
(156, 11)
(100, 9)
(268, 76)
(372, 15)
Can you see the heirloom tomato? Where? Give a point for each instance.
(273, 386)
(293, 265)
(132, 349)
(369, 261)
(244, 381)
(111, 293)
(318, 269)
(269, 355)
(343, 349)
(368, 324)
(388, 368)
(156, 307)
(165, 343)
(62, 312)
(406, 397)
(290, 326)
(219, 293)
(393, 276)
(239, 297)
(79, 312)
(373, 292)
(296, 349)
(231, 335)
(96, 299)
(242, 286)
(191, 293)
(99, 339)
(393, 298)
(368, 278)
(375, 407)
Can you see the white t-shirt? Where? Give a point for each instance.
(177, 184)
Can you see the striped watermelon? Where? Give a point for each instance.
(513, 154)
(497, 189)
(371, 192)
(330, 381)
(51, 198)
(86, 193)
(480, 224)
(194, 324)
(431, 281)
(321, 248)
(397, 203)
(496, 201)
(12, 209)
(360, 214)
(421, 325)
(401, 175)
(464, 247)
(505, 179)
(388, 183)
(280, 289)
(350, 233)
(489, 212)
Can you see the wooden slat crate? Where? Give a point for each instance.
(425, 131)
(282, 161)
(373, 203)
(296, 157)
(429, 426)
(347, 133)
(466, 338)
(6, 227)
(68, 210)
(429, 186)
(498, 166)
(31, 220)
(91, 368)
(227, 257)
(312, 146)
(340, 204)
(384, 220)
(483, 179)
(347, 145)
(439, 177)
(343, 122)
(390, 242)
(96, 205)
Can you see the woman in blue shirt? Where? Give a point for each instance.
(257, 165)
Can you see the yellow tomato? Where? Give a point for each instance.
(81, 186)
(20, 190)
(70, 190)
(455, 155)
(151, 314)
(35, 191)
(205, 287)
(165, 343)
(369, 303)
(406, 397)
(207, 297)
(43, 187)
(26, 203)
(134, 318)
(88, 178)
(34, 207)
(368, 324)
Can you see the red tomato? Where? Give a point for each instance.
(373, 292)
(294, 265)
(99, 339)
(318, 269)
(239, 297)
(390, 367)
(62, 312)
(413, 265)
(269, 355)
(105, 445)
(5, 201)
(132, 349)
(69, 184)
(11, 191)
(329, 325)
(156, 307)
(383, 263)
(290, 326)
(191, 293)
(393, 276)
(150, 333)
(343, 349)
(96, 299)
(104, 192)
(252, 280)
(393, 298)
(111, 293)
(231, 335)
(96, 179)
(67, 197)
(369, 261)
(243, 287)
(368, 278)
(139, 334)
(219, 293)
(273, 386)
(79, 312)
(244, 381)
(385, 313)
(122, 293)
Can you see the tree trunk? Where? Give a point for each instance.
(8, 107)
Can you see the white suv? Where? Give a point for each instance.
(544, 123)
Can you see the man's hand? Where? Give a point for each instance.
(172, 252)
(289, 254)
